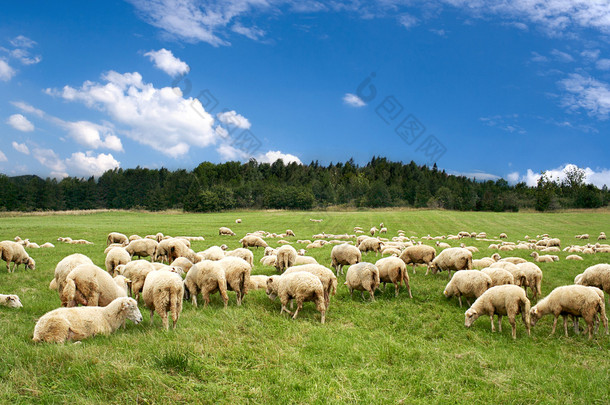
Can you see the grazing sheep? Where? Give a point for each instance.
(13, 252)
(116, 256)
(142, 248)
(576, 300)
(596, 276)
(91, 286)
(242, 253)
(373, 230)
(383, 230)
(300, 286)
(420, 254)
(467, 283)
(533, 278)
(268, 260)
(286, 257)
(442, 245)
(237, 275)
(485, 261)
(326, 276)
(509, 300)
(257, 282)
(316, 244)
(574, 257)
(223, 230)
(170, 249)
(543, 258)
(344, 254)
(111, 246)
(182, 262)
(362, 277)
(11, 301)
(499, 276)
(305, 260)
(134, 237)
(136, 271)
(393, 270)
(212, 253)
(64, 324)
(452, 259)
(518, 274)
(253, 241)
(116, 237)
(164, 291)
(206, 277)
(370, 245)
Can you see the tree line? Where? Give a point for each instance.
(230, 185)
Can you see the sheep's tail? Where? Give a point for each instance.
(69, 291)
(108, 241)
(53, 285)
(469, 263)
(374, 278)
(524, 304)
(333, 286)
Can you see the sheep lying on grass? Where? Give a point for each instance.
(223, 230)
(467, 283)
(163, 291)
(13, 252)
(11, 301)
(576, 300)
(509, 300)
(64, 324)
(544, 258)
(300, 286)
(362, 277)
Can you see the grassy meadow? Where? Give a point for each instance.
(393, 350)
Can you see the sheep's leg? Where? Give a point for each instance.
(460, 300)
(383, 289)
(589, 327)
(351, 292)
(362, 295)
(397, 290)
(152, 312)
(194, 298)
(575, 325)
(554, 324)
(468, 302)
(493, 327)
(513, 325)
(499, 323)
(565, 325)
(299, 306)
(163, 315)
(372, 293)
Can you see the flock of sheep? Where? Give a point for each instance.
(174, 272)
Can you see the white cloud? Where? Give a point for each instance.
(21, 51)
(21, 147)
(353, 100)
(20, 123)
(50, 159)
(407, 21)
(90, 135)
(249, 32)
(25, 107)
(21, 41)
(160, 118)
(87, 164)
(598, 177)
(603, 64)
(536, 57)
(232, 118)
(2, 157)
(586, 93)
(272, 156)
(228, 152)
(590, 54)
(6, 71)
(167, 62)
(479, 176)
(562, 56)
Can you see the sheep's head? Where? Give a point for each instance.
(31, 264)
(578, 279)
(470, 316)
(119, 269)
(447, 293)
(272, 288)
(123, 283)
(534, 316)
(12, 301)
(130, 307)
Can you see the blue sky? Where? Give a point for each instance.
(483, 88)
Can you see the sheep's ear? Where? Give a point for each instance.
(124, 305)
(12, 297)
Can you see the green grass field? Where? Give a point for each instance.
(394, 350)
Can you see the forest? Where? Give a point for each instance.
(252, 185)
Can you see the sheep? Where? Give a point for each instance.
(509, 300)
(362, 277)
(452, 259)
(237, 275)
(514, 260)
(583, 236)
(182, 262)
(573, 257)
(63, 324)
(551, 249)
(142, 248)
(393, 270)
(596, 276)
(467, 283)
(420, 254)
(342, 255)
(499, 276)
(600, 293)
(518, 274)
(305, 260)
(300, 286)
(170, 249)
(163, 291)
(383, 230)
(392, 251)
(134, 237)
(31, 245)
(543, 258)
(136, 271)
(373, 230)
(13, 252)
(370, 245)
(290, 232)
(257, 282)
(316, 244)
(472, 249)
(112, 246)
(268, 260)
(47, 245)
(286, 256)
(485, 261)
(602, 236)
(223, 230)
(206, 277)
(116, 256)
(326, 276)
(253, 241)
(11, 301)
(242, 253)
(116, 237)
(238, 221)
(91, 286)
(442, 245)
(212, 253)
(533, 278)
(64, 267)
(503, 236)
(576, 300)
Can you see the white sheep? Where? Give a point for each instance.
(574, 257)
(485, 261)
(253, 241)
(499, 276)
(574, 300)
(268, 260)
(518, 274)
(596, 276)
(305, 260)
(326, 276)
(362, 277)
(11, 301)
(286, 257)
(116, 256)
(237, 275)
(79, 323)
(452, 259)
(163, 291)
(509, 300)
(344, 254)
(242, 253)
(393, 270)
(206, 277)
(136, 271)
(514, 260)
(116, 237)
(64, 267)
(370, 245)
(223, 230)
(542, 259)
(142, 248)
(90, 285)
(419, 254)
(467, 283)
(533, 278)
(238, 221)
(257, 282)
(300, 286)
(13, 252)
